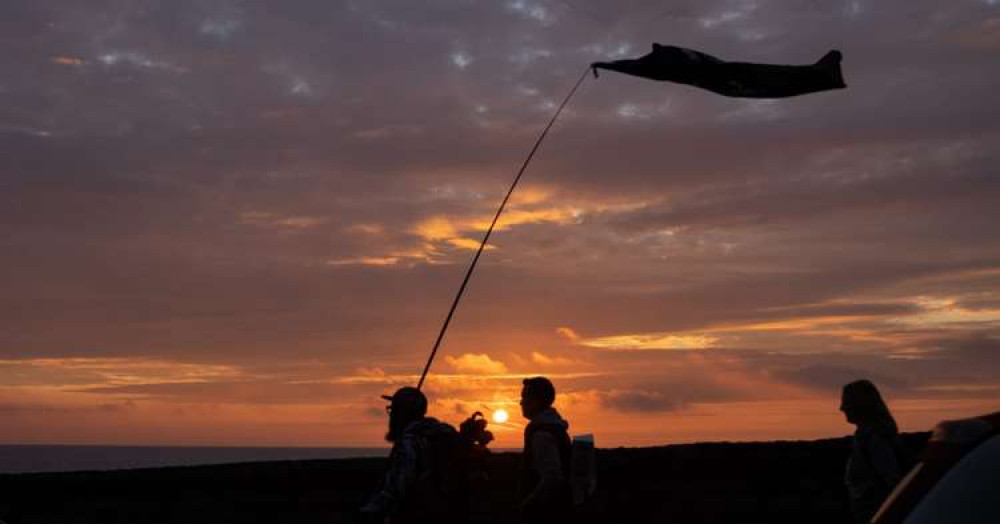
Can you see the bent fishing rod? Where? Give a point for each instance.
(489, 231)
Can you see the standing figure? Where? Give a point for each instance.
(545, 494)
(414, 489)
(873, 469)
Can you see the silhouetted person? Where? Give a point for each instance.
(545, 494)
(873, 469)
(412, 488)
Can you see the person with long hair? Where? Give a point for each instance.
(873, 469)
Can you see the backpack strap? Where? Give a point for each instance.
(562, 440)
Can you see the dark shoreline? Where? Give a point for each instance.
(791, 481)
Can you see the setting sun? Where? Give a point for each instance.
(500, 416)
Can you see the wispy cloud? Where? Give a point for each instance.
(650, 341)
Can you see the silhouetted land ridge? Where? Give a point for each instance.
(794, 481)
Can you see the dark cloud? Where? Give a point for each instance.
(830, 378)
(29, 409)
(978, 352)
(640, 401)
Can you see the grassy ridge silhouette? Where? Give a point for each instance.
(788, 481)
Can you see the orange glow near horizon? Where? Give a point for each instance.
(132, 401)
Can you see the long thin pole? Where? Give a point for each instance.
(489, 231)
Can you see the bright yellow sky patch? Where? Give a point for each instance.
(476, 363)
(653, 341)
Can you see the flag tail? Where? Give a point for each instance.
(830, 64)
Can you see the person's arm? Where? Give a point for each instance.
(547, 464)
(398, 480)
(882, 456)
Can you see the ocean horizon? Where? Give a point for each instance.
(51, 458)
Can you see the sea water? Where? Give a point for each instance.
(44, 458)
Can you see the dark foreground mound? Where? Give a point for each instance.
(722, 482)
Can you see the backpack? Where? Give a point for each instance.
(456, 464)
(583, 469)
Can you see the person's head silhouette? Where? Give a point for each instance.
(537, 395)
(406, 405)
(863, 406)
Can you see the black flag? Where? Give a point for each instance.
(739, 79)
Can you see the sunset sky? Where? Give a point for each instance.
(238, 222)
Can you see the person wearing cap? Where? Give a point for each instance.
(545, 494)
(408, 493)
